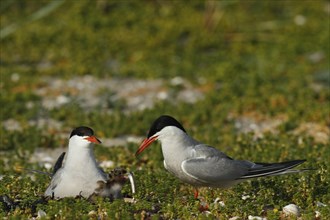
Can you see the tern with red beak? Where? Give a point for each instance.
(80, 173)
(201, 165)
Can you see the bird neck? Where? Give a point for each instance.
(80, 157)
(176, 143)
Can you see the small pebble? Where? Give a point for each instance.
(61, 100)
(12, 125)
(129, 200)
(299, 20)
(48, 165)
(15, 77)
(162, 95)
(177, 81)
(316, 56)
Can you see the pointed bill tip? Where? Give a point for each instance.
(93, 139)
(142, 147)
(145, 143)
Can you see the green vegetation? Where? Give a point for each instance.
(261, 60)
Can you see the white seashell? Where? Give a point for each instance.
(221, 203)
(234, 218)
(320, 204)
(207, 213)
(217, 200)
(41, 213)
(245, 197)
(15, 77)
(92, 213)
(299, 20)
(291, 209)
(107, 164)
(48, 166)
(256, 218)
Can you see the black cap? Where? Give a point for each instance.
(82, 131)
(162, 122)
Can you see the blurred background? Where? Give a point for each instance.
(250, 77)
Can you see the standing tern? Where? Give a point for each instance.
(201, 165)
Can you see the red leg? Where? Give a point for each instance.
(203, 207)
(195, 193)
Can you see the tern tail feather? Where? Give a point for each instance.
(273, 169)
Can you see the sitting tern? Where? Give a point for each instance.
(80, 174)
(201, 165)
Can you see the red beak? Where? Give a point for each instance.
(93, 139)
(145, 143)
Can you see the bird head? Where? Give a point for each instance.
(83, 136)
(163, 127)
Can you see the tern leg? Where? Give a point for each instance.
(195, 193)
(203, 207)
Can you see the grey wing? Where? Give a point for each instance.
(203, 150)
(214, 170)
(104, 174)
(56, 175)
(54, 182)
(210, 165)
(58, 163)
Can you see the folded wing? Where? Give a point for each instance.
(213, 170)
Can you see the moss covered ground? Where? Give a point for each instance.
(262, 68)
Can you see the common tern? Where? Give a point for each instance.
(79, 174)
(201, 165)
